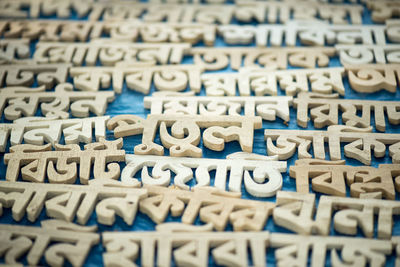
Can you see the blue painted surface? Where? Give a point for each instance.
(130, 102)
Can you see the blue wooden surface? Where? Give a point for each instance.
(130, 102)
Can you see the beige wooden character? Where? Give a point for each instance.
(24, 101)
(57, 241)
(36, 163)
(324, 111)
(165, 78)
(295, 211)
(270, 58)
(14, 51)
(361, 142)
(185, 132)
(268, 107)
(264, 181)
(187, 245)
(211, 204)
(370, 78)
(25, 74)
(331, 177)
(65, 202)
(40, 130)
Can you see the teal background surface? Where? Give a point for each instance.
(130, 102)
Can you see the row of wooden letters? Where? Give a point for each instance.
(262, 12)
(17, 102)
(58, 241)
(109, 198)
(185, 136)
(307, 33)
(248, 80)
(110, 52)
(243, 11)
(261, 175)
